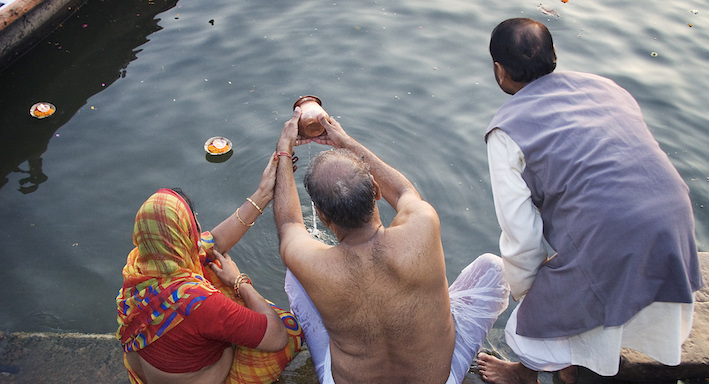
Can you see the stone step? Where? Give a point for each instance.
(90, 358)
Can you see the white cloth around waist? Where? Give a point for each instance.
(478, 296)
(658, 331)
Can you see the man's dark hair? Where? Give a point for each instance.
(524, 48)
(341, 187)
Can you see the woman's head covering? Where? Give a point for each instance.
(166, 237)
(163, 279)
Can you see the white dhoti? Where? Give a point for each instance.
(478, 296)
(658, 331)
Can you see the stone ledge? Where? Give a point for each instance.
(24, 23)
(61, 358)
(97, 358)
(50, 358)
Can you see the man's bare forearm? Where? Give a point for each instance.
(286, 203)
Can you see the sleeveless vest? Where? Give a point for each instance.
(613, 206)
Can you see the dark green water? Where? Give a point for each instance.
(140, 85)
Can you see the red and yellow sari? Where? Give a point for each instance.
(165, 279)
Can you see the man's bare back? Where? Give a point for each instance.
(386, 307)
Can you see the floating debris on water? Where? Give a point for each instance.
(548, 10)
(42, 110)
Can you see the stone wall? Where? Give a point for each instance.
(23, 23)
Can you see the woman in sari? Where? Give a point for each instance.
(186, 313)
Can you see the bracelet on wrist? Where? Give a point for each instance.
(282, 153)
(260, 211)
(242, 221)
(241, 279)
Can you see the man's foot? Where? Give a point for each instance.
(496, 371)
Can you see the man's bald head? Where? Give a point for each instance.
(341, 187)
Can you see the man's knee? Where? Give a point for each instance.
(489, 260)
(484, 264)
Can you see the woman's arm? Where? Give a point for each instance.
(276, 336)
(231, 230)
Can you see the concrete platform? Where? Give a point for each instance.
(80, 358)
(90, 358)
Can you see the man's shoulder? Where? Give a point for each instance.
(574, 79)
(553, 89)
(573, 74)
(414, 211)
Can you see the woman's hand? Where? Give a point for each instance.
(228, 271)
(289, 135)
(268, 180)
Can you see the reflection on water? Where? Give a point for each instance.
(139, 85)
(85, 55)
(35, 175)
(219, 159)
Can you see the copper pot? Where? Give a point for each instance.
(310, 111)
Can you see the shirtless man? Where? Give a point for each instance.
(380, 309)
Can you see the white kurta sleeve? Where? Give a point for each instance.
(522, 243)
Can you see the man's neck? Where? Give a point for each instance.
(360, 235)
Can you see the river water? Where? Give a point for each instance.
(140, 85)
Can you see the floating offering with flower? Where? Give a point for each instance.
(217, 145)
(42, 110)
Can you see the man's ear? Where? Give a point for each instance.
(323, 219)
(500, 73)
(504, 80)
(377, 189)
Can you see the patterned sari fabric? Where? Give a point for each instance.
(165, 279)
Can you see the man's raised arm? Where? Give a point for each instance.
(286, 203)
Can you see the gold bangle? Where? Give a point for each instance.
(260, 211)
(242, 278)
(242, 221)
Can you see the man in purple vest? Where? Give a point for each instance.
(597, 226)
